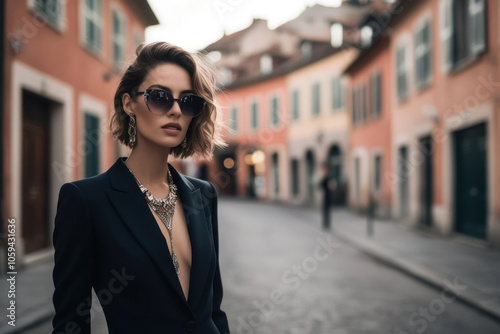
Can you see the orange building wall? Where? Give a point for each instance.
(375, 133)
(264, 136)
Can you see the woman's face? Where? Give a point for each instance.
(152, 128)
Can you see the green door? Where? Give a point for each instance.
(471, 181)
(92, 149)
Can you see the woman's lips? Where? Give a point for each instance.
(171, 130)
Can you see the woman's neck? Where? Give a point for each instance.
(149, 163)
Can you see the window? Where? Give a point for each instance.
(138, 37)
(234, 118)
(376, 94)
(377, 180)
(253, 115)
(266, 64)
(336, 35)
(306, 50)
(360, 104)
(478, 18)
(423, 55)
(91, 142)
(118, 38)
(51, 10)
(363, 103)
(463, 31)
(295, 104)
(92, 25)
(354, 105)
(274, 111)
(366, 36)
(295, 177)
(315, 99)
(338, 93)
(227, 75)
(402, 71)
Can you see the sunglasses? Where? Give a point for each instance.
(161, 101)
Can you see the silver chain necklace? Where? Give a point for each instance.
(164, 208)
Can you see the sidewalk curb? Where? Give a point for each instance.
(471, 296)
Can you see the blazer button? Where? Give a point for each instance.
(190, 326)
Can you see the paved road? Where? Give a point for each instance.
(283, 275)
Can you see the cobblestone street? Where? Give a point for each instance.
(283, 275)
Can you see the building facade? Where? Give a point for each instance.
(63, 60)
(318, 129)
(442, 97)
(370, 154)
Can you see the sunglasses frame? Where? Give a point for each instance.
(148, 91)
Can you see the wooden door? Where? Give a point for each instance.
(35, 145)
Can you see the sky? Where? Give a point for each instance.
(194, 24)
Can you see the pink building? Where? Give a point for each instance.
(63, 60)
(370, 157)
(442, 87)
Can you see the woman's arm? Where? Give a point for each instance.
(72, 272)
(219, 317)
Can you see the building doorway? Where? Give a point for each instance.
(403, 178)
(471, 181)
(35, 171)
(426, 181)
(310, 170)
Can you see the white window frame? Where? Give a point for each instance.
(96, 18)
(338, 87)
(423, 50)
(60, 22)
(234, 118)
(475, 8)
(403, 43)
(271, 100)
(373, 97)
(138, 37)
(119, 39)
(313, 98)
(446, 34)
(295, 104)
(266, 63)
(253, 101)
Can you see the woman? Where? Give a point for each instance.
(141, 234)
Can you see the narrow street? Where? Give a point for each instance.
(283, 275)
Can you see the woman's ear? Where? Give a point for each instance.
(128, 103)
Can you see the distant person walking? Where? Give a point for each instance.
(327, 185)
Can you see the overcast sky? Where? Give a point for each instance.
(193, 24)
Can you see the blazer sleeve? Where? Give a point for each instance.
(72, 239)
(219, 317)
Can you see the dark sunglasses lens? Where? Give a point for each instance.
(160, 101)
(192, 105)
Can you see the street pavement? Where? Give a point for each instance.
(283, 274)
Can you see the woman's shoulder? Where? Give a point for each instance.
(90, 185)
(206, 186)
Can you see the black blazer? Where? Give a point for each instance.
(106, 237)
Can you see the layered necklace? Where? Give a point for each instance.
(164, 208)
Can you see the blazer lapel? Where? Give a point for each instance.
(132, 207)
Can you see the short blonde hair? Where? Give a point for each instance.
(201, 135)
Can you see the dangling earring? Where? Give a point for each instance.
(132, 130)
(184, 142)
